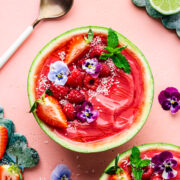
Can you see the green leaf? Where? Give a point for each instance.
(135, 156)
(117, 160)
(90, 36)
(137, 174)
(112, 38)
(48, 92)
(119, 171)
(110, 49)
(105, 56)
(121, 62)
(34, 106)
(119, 49)
(144, 163)
(111, 170)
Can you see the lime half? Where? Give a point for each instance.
(166, 7)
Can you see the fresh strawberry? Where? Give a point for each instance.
(105, 70)
(59, 92)
(3, 140)
(77, 47)
(75, 96)
(156, 177)
(97, 50)
(49, 110)
(69, 111)
(147, 173)
(90, 82)
(75, 79)
(8, 172)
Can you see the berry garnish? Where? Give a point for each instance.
(147, 172)
(75, 79)
(90, 82)
(69, 111)
(76, 48)
(156, 177)
(75, 96)
(97, 50)
(3, 140)
(58, 91)
(105, 70)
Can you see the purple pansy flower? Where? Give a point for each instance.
(61, 172)
(170, 99)
(86, 112)
(92, 67)
(58, 73)
(164, 163)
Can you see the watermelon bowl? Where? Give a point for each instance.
(119, 102)
(153, 152)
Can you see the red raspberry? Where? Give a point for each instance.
(69, 111)
(90, 82)
(105, 70)
(97, 50)
(81, 61)
(75, 79)
(75, 96)
(59, 92)
(147, 172)
(156, 177)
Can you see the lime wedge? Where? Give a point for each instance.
(166, 7)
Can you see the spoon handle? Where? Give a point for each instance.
(4, 58)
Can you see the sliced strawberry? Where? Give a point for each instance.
(3, 140)
(77, 47)
(9, 174)
(49, 110)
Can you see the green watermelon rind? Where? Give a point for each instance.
(164, 146)
(111, 142)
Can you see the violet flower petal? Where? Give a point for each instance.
(166, 105)
(165, 155)
(61, 171)
(171, 162)
(175, 109)
(94, 116)
(171, 90)
(169, 173)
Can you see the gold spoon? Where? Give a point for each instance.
(49, 9)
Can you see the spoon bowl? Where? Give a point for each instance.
(49, 9)
(53, 9)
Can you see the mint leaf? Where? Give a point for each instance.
(137, 164)
(144, 163)
(115, 169)
(121, 62)
(90, 36)
(105, 56)
(112, 38)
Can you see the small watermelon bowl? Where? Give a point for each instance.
(154, 161)
(104, 95)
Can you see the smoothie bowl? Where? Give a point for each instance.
(156, 161)
(90, 89)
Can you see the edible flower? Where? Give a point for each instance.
(58, 73)
(164, 163)
(92, 67)
(86, 112)
(61, 172)
(170, 99)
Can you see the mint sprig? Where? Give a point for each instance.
(137, 164)
(90, 36)
(115, 169)
(34, 106)
(114, 52)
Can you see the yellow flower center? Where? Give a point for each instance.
(173, 101)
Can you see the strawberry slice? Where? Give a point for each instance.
(77, 47)
(124, 176)
(3, 140)
(49, 110)
(8, 172)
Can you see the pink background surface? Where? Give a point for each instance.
(160, 46)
